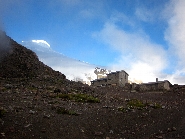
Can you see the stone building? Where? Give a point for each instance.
(118, 78)
(154, 86)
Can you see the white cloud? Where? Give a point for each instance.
(178, 77)
(144, 14)
(151, 11)
(175, 35)
(80, 9)
(42, 43)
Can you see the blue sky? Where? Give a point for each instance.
(144, 37)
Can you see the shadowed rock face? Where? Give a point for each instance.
(19, 62)
(4, 45)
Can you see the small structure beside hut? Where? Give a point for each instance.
(118, 78)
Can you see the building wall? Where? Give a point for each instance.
(166, 85)
(123, 78)
(156, 86)
(148, 87)
(113, 78)
(119, 78)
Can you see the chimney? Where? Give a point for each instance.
(156, 80)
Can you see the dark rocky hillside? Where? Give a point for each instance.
(20, 62)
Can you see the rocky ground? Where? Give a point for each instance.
(40, 103)
(31, 109)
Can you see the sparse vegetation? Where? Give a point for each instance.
(135, 103)
(156, 106)
(66, 111)
(122, 109)
(3, 89)
(2, 112)
(138, 104)
(79, 98)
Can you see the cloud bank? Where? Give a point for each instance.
(175, 36)
(143, 59)
(73, 69)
